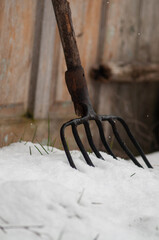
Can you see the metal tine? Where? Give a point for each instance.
(101, 133)
(62, 134)
(90, 140)
(80, 145)
(136, 144)
(122, 144)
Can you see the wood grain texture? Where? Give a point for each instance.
(148, 39)
(45, 67)
(121, 30)
(35, 57)
(16, 38)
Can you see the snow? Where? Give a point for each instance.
(42, 197)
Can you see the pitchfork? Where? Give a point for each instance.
(77, 87)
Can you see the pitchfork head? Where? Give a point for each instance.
(77, 87)
(98, 119)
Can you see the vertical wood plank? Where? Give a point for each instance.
(44, 75)
(35, 57)
(17, 20)
(148, 40)
(121, 30)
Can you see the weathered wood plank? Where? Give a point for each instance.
(45, 68)
(121, 30)
(148, 40)
(17, 20)
(35, 57)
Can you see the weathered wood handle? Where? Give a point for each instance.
(75, 77)
(65, 25)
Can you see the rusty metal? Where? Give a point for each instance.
(77, 87)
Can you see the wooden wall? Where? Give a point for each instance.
(118, 42)
(131, 35)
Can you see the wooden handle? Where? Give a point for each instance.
(64, 21)
(75, 77)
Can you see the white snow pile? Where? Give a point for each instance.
(42, 197)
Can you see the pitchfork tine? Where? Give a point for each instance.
(122, 144)
(80, 145)
(62, 134)
(101, 133)
(90, 140)
(136, 144)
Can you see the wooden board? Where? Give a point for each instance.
(16, 38)
(148, 40)
(121, 30)
(45, 65)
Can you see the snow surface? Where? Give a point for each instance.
(42, 197)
